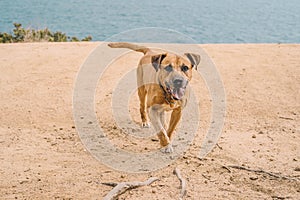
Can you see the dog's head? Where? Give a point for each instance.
(175, 72)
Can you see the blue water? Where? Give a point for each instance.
(216, 21)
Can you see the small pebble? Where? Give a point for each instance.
(297, 169)
(253, 178)
(253, 136)
(26, 170)
(24, 181)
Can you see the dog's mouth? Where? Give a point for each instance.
(176, 92)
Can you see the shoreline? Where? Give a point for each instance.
(99, 42)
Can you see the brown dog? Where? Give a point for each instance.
(162, 80)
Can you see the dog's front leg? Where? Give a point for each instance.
(158, 121)
(175, 118)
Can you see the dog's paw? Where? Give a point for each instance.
(146, 125)
(167, 149)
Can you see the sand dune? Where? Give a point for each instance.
(42, 156)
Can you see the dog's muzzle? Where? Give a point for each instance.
(177, 88)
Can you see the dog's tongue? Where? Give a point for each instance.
(178, 93)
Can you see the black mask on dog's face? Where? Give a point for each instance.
(176, 81)
(175, 72)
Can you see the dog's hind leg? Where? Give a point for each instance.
(143, 107)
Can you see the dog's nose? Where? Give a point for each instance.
(178, 82)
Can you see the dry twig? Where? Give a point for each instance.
(206, 177)
(219, 146)
(120, 188)
(227, 168)
(110, 184)
(182, 183)
(260, 171)
(278, 197)
(287, 118)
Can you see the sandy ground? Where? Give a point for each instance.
(42, 157)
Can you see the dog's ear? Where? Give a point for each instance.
(157, 59)
(193, 58)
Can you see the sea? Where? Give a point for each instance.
(202, 21)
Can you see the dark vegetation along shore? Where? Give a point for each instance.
(21, 34)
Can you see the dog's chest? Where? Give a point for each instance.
(168, 106)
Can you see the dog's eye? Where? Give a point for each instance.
(184, 68)
(169, 68)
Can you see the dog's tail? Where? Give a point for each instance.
(133, 47)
